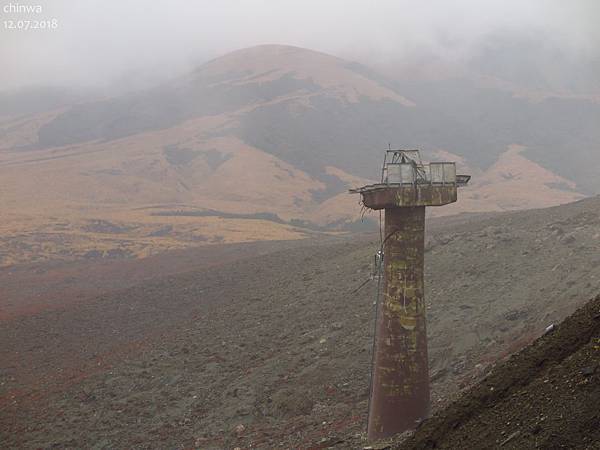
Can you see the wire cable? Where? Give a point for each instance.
(379, 276)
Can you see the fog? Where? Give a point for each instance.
(137, 42)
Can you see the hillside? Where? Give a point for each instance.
(269, 348)
(262, 144)
(545, 396)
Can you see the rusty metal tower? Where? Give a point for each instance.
(399, 397)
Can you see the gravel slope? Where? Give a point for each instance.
(272, 350)
(545, 396)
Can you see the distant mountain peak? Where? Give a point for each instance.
(266, 63)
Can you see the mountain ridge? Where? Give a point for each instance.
(272, 129)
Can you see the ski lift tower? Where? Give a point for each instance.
(399, 397)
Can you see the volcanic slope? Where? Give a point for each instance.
(273, 349)
(272, 129)
(545, 396)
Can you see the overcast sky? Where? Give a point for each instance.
(103, 41)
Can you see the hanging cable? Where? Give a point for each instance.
(379, 276)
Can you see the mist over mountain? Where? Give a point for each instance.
(281, 133)
(454, 114)
(39, 99)
(537, 62)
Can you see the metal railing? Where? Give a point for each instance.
(411, 173)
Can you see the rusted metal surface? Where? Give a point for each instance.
(409, 195)
(399, 397)
(400, 385)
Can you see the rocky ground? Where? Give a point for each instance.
(271, 349)
(545, 396)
